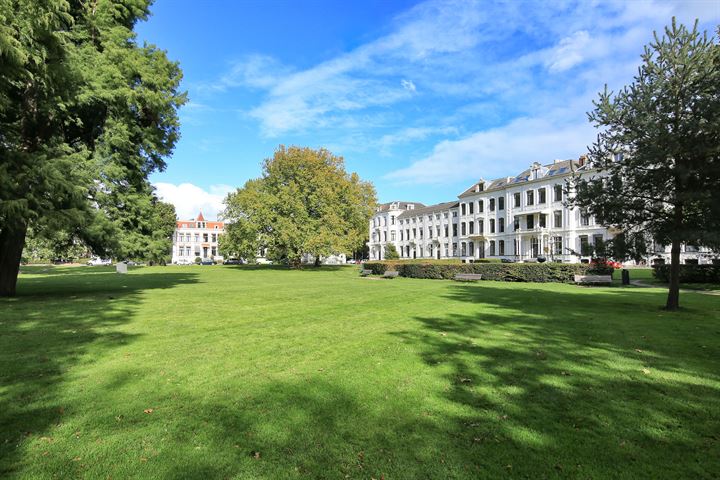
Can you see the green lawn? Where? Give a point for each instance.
(268, 373)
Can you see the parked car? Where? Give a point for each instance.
(507, 260)
(207, 261)
(184, 261)
(233, 261)
(96, 262)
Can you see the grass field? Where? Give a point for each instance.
(241, 372)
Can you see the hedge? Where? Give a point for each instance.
(506, 272)
(690, 273)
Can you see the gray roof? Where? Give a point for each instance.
(429, 209)
(384, 207)
(561, 167)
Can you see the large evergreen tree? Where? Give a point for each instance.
(658, 150)
(86, 114)
(305, 202)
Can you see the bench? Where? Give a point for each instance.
(365, 273)
(593, 279)
(467, 277)
(390, 274)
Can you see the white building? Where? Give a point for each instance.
(519, 218)
(196, 238)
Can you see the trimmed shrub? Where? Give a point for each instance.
(690, 273)
(504, 272)
(377, 268)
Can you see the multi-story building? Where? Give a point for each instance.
(520, 218)
(196, 238)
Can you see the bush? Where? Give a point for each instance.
(690, 273)
(198, 260)
(377, 268)
(391, 252)
(504, 272)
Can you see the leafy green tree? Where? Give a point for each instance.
(48, 247)
(657, 151)
(391, 252)
(86, 114)
(305, 202)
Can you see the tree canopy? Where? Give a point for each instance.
(658, 151)
(86, 114)
(304, 202)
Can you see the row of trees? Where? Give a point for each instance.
(304, 203)
(86, 114)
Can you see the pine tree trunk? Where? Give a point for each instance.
(673, 299)
(12, 242)
(317, 261)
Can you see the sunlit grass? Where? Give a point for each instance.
(237, 372)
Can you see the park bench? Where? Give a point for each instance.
(365, 272)
(390, 274)
(593, 279)
(467, 277)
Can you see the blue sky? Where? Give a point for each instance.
(421, 98)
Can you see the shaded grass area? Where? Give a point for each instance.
(268, 373)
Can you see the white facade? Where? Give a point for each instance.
(197, 238)
(519, 218)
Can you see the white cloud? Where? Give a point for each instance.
(500, 151)
(408, 85)
(190, 199)
(569, 52)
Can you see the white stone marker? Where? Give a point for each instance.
(121, 267)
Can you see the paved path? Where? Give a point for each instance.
(640, 283)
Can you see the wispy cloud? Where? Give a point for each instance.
(514, 78)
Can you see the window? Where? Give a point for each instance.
(501, 226)
(542, 218)
(471, 227)
(598, 241)
(454, 250)
(584, 219)
(455, 214)
(462, 209)
(558, 193)
(447, 250)
(530, 221)
(463, 252)
(429, 232)
(516, 199)
(557, 219)
(414, 233)
(492, 205)
(437, 230)
(516, 224)
(585, 249)
(492, 248)
(471, 249)
(401, 235)
(421, 232)
(501, 247)
(557, 246)
(384, 236)
(197, 237)
(454, 229)
(462, 229)
(492, 225)
(445, 215)
(392, 236)
(471, 207)
(481, 226)
(501, 203)
(392, 220)
(542, 192)
(205, 237)
(530, 197)
(480, 206)
(446, 230)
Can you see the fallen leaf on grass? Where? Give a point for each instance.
(639, 350)
(443, 334)
(255, 455)
(465, 380)
(646, 371)
(148, 410)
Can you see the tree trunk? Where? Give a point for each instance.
(317, 261)
(12, 242)
(673, 299)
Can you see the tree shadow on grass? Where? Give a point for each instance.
(581, 383)
(51, 326)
